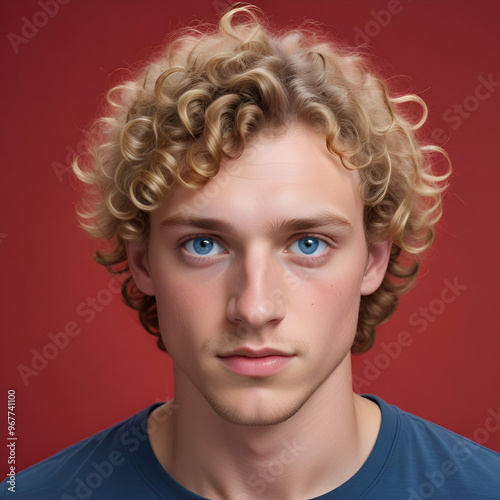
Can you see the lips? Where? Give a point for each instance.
(250, 352)
(250, 362)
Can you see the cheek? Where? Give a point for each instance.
(187, 311)
(333, 304)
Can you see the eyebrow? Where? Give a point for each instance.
(209, 223)
(325, 218)
(284, 225)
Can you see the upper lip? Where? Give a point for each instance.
(255, 353)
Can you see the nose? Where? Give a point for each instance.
(257, 294)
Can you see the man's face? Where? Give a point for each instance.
(258, 278)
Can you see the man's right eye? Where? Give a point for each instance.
(202, 247)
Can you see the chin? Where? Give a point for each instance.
(256, 413)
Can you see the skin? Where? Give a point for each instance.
(257, 288)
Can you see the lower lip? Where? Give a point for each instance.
(256, 367)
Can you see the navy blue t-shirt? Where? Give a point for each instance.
(412, 459)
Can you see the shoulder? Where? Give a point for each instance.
(434, 460)
(434, 438)
(93, 465)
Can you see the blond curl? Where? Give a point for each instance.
(210, 92)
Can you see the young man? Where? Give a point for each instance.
(267, 200)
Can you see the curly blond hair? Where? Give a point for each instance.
(210, 91)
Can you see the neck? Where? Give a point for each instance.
(319, 448)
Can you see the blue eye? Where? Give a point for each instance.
(308, 246)
(203, 246)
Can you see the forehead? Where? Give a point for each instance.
(287, 177)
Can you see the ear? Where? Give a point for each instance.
(139, 266)
(378, 259)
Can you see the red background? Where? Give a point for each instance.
(51, 89)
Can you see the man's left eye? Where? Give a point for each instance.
(202, 247)
(309, 245)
